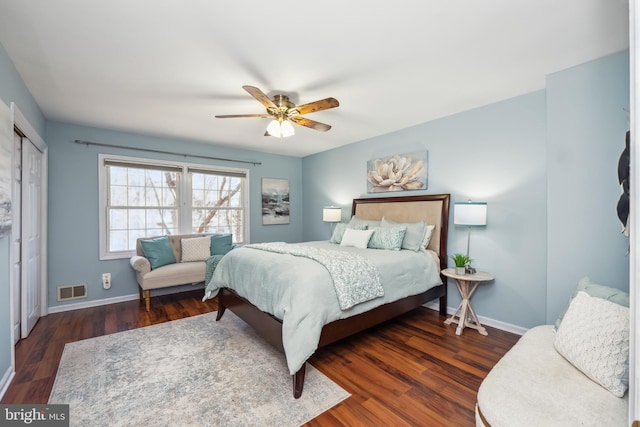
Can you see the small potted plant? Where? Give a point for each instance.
(461, 261)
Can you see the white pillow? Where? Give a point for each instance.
(356, 238)
(427, 235)
(196, 249)
(594, 337)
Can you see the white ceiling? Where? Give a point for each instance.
(166, 67)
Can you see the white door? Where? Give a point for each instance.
(16, 234)
(31, 236)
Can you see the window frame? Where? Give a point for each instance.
(184, 201)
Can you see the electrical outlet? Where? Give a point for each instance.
(106, 280)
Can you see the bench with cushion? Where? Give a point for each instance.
(572, 374)
(181, 259)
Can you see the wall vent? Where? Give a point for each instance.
(68, 292)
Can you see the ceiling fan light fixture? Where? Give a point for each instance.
(285, 114)
(280, 129)
(287, 129)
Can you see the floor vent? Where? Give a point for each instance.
(72, 292)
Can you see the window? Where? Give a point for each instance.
(217, 203)
(143, 198)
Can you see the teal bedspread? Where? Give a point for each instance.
(355, 279)
(300, 291)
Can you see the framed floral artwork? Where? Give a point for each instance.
(400, 172)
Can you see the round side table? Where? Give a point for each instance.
(467, 285)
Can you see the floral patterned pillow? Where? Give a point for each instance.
(415, 235)
(389, 238)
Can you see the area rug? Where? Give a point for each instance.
(188, 372)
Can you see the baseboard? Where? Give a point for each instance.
(485, 321)
(123, 298)
(175, 289)
(6, 381)
(93, 303)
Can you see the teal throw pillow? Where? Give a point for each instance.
(221, 244)
(414, 237)
(158, 251)
(355, 222)
(338, 232)
(608, 293)
(389, 238)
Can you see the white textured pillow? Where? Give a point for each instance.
(428, 231)
(196, 249)
(357, 238)
(594, 337)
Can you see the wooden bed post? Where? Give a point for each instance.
(443, 301)
(298, 381)
(221, 306)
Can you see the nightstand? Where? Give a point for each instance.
(467, 285)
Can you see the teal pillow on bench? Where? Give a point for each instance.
(608, 293)
(221, 244)
(158, 251)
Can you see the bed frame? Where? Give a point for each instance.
(433, 208)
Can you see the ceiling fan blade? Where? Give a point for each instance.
(260, 96)
(323, 104)
(302, 121)
(231, 116)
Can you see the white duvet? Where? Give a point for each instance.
(300, 292)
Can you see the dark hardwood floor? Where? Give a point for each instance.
(410, 371)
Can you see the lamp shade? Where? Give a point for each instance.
(280, 129)
(470, 214)
(332, 214)
(287, 129)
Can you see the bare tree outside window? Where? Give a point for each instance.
(142, 202)
(217, 204)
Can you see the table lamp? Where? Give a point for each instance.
(470, 214)
(331, 214)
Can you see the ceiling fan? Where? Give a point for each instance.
(284, 112)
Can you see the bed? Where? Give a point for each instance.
(245, 278)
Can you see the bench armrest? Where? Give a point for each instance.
(140, 264)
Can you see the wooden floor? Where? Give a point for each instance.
(410, 371)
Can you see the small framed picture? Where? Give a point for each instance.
(275, 201)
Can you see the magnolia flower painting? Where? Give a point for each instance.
(397, 173)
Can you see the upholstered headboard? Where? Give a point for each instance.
(431, 208)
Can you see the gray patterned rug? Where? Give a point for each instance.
(188, 372)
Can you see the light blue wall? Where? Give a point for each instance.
(12, 89)
(73, 201)
(586, 125)
(550, 222)
(495, 154)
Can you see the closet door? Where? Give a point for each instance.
(31, 235)
(16, 236)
